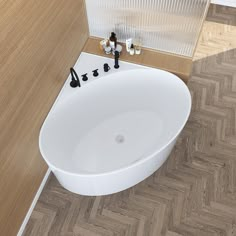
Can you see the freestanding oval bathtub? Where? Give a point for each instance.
(115, 131)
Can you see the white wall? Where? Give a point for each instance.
(230, 3)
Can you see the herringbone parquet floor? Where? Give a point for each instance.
(194, 192)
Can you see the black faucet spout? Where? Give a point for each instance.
(117, 55)
(74, 78)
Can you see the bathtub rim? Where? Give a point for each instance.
(136, 163)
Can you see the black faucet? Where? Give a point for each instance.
(95, 73)
(117, 55)
(85, 77)
(74, 79)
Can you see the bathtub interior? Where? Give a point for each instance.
(115, 121)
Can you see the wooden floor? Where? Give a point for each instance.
(194, 192)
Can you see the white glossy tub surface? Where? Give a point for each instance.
(115, 131)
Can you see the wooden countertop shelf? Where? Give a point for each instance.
(179, 65)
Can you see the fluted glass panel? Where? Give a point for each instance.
(167, 25)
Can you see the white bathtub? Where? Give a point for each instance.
(115, 131)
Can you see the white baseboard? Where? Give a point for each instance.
(230, 3)
(34, 203)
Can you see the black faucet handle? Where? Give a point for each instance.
(95, 73)
(106, 67)
(84, 77)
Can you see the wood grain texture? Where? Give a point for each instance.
(39, 41)
(194, 192)
(179, 65)
(219, 32)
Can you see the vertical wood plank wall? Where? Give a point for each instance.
(39, 41)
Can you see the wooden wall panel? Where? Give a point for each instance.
(39, 41)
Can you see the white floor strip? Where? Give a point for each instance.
(33, 203)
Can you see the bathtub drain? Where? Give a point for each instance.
(120, 138)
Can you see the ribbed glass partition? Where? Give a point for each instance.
(167, 25)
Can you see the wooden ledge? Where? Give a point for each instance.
(179, 65)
